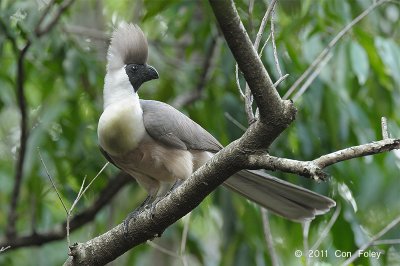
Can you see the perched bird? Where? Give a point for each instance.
(159, 146)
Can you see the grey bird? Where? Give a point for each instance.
(159, 146)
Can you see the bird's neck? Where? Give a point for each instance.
(120, 127)
(118, 88)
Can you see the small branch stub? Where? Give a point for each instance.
(385, 131)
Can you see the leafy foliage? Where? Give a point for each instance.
(343, 107)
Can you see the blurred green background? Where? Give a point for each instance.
(343, 107)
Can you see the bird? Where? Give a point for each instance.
(161, 147)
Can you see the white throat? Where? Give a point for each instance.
(116, 87)
(120, 127)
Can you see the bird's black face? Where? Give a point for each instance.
(140, 73)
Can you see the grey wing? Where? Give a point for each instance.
(172, 128)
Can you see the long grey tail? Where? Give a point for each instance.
(283, 198)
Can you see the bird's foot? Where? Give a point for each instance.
(135, 213)
(153, 205)
(131, 216)
(174, 186)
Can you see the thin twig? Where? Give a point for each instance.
(51, 180)
(162, 249)
(386, 242)
(78, 197)
(186, 223)
(327, 228)
(4, 248)
(268, 237)
(265, 44)
(238, 82)
(204, 76)
(276, 84)
(314, 168)
(81, 189)
(69, 213)
(247, 95)
(250, 14)
(306, 230)
(249, 105)
(42, 30)
(234, 121)
(113, 186)
(387, 228)
(87, 32)
(44, 15)
(263, 24)
(276, 60)
(311, 78)
(331, 44)
(9, 34)
(358, 151)
(91, 182)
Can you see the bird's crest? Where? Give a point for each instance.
(128, 46)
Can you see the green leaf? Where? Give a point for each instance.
(359, 62)
(390, 55)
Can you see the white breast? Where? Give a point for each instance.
(121, 127)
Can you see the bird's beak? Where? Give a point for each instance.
(152, 72)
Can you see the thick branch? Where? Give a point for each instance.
(275, 114)
(179, 202)
(314, 169)
(105, 196)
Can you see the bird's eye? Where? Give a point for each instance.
(134, 68)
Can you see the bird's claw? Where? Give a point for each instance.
(130, 216)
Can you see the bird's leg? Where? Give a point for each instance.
(149, 200)
(153, 205)
(164, 191)
(177, 183)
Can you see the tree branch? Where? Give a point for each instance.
(275, 116)
(358, 151)
(263, 24)
(249, 63)
(194, 95)
(247, 95)
(42, 30)
(314, 169)
(87, 32)
(268, 237)
(9, 35)
(105, 196)
(231, 159)
(20, 90)
(12, 215)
